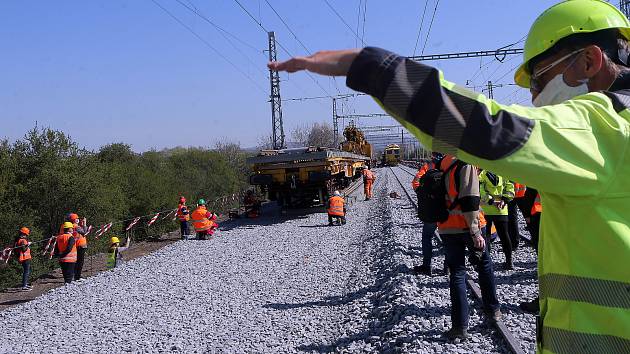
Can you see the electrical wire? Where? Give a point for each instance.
(224, 34)
(430, 26)
(259, 23)
(344, 22)
(424, 11)
(210, 46)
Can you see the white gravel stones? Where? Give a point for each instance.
(273, 285)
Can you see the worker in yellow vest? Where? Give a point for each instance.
(336, 209)
(114, 255)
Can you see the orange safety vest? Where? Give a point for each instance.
(537, 206)
(200, 221)
(23, 255)
(368, 176)
(519, 190)
(335, 206)
(456, 223)
(415, 183)
(180, 214)
(62, 244)
(79, 240)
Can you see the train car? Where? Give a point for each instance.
(391, 155)
(304, 177)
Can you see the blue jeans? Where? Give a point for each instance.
(428, 230)
(183, 228)
(455, 250)
(26, 267)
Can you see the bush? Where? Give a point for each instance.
(45, 175)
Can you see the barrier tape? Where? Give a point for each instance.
(87, 232)
(103, 230)
(153, 219)
(52, 250)
(133, 223)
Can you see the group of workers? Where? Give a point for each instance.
(70, 245)
(336, 205)
(203, 221)
(571, 146)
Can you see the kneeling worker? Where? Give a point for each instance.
(203, 221)
(336, 209)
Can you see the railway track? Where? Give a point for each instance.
(511, 341)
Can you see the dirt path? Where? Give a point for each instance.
(93, 265)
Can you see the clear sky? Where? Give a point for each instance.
(108, 71)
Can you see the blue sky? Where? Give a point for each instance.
(125, 71)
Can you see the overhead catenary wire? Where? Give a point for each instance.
(344, 22)
(259, 23)
(424, 11)
(210, 46)
(430, 26)
(224, 34)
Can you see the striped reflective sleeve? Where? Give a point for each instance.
(562, 341)
(508, 190)
(415, 93)
(594, 291)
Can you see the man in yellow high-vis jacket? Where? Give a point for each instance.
(573, 148)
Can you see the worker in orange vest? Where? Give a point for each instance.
(203, 221)
(66, 251)
(24, 256)
(368, 180)
(428, 228)
(336, 208)
(80, 241)
(183, 216)
(464, 229)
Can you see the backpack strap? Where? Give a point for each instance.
(457, 165)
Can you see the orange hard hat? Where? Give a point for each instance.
(72, 217)
(182, 199)
(25, 230)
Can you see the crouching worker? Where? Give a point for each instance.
(66, 251)
(114, 256)
(203, 221)
(252, 204)
(336, 209)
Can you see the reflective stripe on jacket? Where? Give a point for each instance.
(415, 183)
(335, 206)
(537, 206)
(62, 245)
(573, 153)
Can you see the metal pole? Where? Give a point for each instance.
(335, 122)
(276, 102)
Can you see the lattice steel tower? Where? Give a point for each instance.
(276, 102)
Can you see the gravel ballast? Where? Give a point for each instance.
(277, 284)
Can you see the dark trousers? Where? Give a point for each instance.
(534, 228)
(26, 272)
(79, 265)
(335, 217)
(455, 251)
(501, 224)
(428, 230)
(183, 228)
(67, 269)
(202, 235)
(515, 234)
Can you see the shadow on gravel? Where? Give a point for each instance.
(14, 302)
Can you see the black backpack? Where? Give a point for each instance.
(432, 194)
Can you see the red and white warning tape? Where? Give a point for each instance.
(103, 230)
(133, 223)
(153, 219)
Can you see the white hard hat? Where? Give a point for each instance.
(337, 194)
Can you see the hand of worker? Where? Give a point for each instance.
(326, 62)
(479, 242)
(499, 204)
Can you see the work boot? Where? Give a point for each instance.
(493, 315)
(456, 333)
(422, 269)
(530, 306)
(27, 288)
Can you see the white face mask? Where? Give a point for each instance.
(557, 91)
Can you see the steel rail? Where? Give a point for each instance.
(512, 343)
